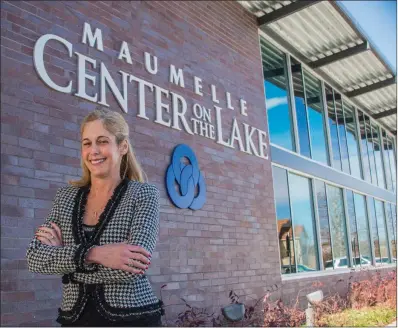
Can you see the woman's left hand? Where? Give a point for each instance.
(50, 236)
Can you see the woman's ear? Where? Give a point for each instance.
(124, 147)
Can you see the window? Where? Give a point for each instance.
(393, 165)
(324, 228)
(373, 229)
(391, 228)
(372, 160)
(377, 151)
(295, 221)
(364, 147)
(381, 230)
(316, 118)
(342, 134)
(387, 167)
(333, 127)
(303, 223)
(352, 141)
(276, 96)
(284, 220)
(363, 229)
(301, 111)
(337, 224)
(353, 228)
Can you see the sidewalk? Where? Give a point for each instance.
(394, 324)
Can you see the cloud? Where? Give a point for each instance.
(274, 102)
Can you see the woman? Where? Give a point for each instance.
(101, 232)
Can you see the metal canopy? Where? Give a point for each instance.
(324, 37)
(385, 113)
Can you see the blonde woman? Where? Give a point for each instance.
(101, 232)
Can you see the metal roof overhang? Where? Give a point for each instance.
(327, 40)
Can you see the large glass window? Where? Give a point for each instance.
(337, 226)
(276, 96)
(352, 140)
(316, 118)
(387, 167)
(301, 111)
(303, 223)
(324, 228)
(364, 147)
(393, 165)
(391, 228)
(284, 220)
(381, 230)
(333, 128)
(373, 229)
(378, 158)
(363, 229)
(342, 134)
(372, 160)
(356, 259)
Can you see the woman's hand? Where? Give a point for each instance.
(120, 256)
(50, 236)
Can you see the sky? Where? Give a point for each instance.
(378, 20)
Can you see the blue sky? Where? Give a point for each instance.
(378, 20)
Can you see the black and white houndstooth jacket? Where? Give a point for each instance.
(132, 214)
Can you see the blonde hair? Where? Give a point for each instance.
(117, 125)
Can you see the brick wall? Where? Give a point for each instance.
(231, 242)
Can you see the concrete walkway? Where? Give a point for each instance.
(394, 324)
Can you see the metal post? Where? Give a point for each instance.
(292, 103)
(326, 123)
(348, 228)
(358, 132)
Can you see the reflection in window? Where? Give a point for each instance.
(337, 223)
(363, 229)
(352, 140)
(393, 165)
(381, 229)
(364, 146)
(342, 133)
(276, 94)
(387, 168)
(303, 223)
(301, 112)
(324, 228)
(333, 126)
(316, 119)
(353, 228)
(284, 220)
(372, 160)
(373, 229)
(391, 228)
(377, 152)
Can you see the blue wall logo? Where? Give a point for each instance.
(188, 179)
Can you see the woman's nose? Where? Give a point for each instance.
(94, 149)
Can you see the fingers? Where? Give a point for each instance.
(131, 269)
(57, 230)
(46, 240)
(139, 249)
(136, 264)
(48, 236)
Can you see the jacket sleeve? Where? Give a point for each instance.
(144, 232)
(60, 260)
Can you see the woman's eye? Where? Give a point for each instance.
(103, 141)
(86, 144)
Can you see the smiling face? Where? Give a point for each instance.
(100, 151)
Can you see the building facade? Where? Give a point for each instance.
(295, 141)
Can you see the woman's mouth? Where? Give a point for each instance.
(97, 161)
